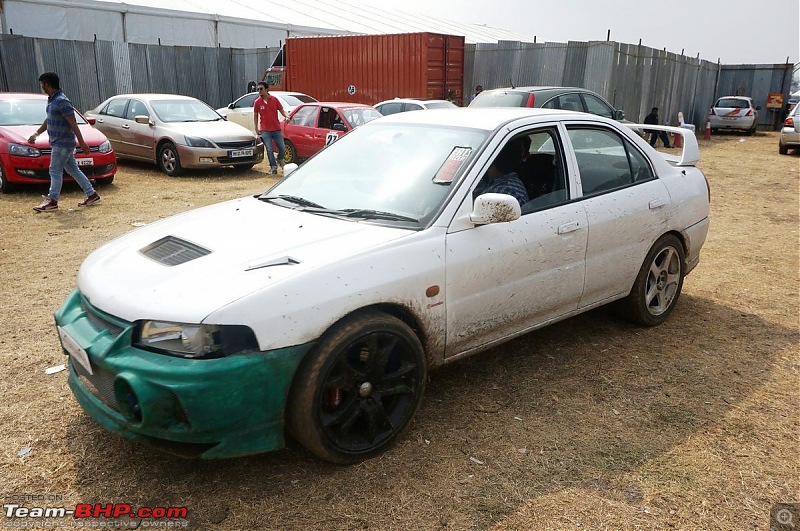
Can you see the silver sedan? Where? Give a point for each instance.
(175, 132)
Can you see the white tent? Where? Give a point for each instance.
(230, 23)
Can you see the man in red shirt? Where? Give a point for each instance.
(265, 116)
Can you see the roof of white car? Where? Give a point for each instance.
(488, 118)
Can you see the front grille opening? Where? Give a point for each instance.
(172, 251)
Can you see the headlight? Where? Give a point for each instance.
(195, 141)
(194, 341)
(105, 147)
(23, 151)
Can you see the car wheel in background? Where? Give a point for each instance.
(358, 388)
(289, 153)
(658, 284)
(5, 186)
(168, 159)
(783, 150)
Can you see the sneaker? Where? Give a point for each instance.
(47, 205)
(90, 200)
(274, 171)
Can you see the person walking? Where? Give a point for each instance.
(62, 132)
(265, 116)
(652, 119)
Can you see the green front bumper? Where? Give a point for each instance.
(201, 408)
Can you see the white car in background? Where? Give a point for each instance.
(790, 132)
(240, 111)
(319, 306)
(734, 113)
(411, 104)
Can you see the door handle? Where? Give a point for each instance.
(101, 120)
(569, 227)
(658, 203)
(126, 126)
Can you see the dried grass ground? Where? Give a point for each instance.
(592, 423)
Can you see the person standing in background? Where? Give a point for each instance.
(478, 90)
(652, 119)
(265, 116)
(62, 131)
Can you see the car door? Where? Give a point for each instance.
(138, 139)
(241, 111)
(626, 208)
(110, 120)
(300, 130)
(505, 278)
(331, 126)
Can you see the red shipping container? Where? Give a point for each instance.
(372, 68)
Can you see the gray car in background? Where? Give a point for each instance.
(566, 98)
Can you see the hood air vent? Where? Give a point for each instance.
(171, 251)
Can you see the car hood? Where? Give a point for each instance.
(249, 245)
(221, 129)
(19, 134)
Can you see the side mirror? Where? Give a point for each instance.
(339, 127)
(289, 168)
(619, 115)
(91, 121)
(142, 119)
(494, 208)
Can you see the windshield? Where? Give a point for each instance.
(360, 115)
(27, 112)
(500, 98)
(294, 100)
(184, 111)
(402, 169)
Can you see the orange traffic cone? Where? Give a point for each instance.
(707, 133)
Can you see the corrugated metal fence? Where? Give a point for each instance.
(633, 78)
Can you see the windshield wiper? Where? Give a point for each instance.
(367, 213)
(294, 199)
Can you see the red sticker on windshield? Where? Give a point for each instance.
(450, 167)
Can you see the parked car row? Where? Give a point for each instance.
(180, 132)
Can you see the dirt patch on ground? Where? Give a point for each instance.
(592, 423)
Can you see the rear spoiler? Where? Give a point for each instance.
(691, 151)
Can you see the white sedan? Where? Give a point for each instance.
(240, 111)
(320, 305)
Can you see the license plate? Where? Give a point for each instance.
(85, 162)
(241, 153)
(75, 351)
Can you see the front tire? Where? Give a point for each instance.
(658, 284)
(5, 186)
(168, 159)
(357, 389)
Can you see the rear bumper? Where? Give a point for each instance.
(739, 123)
(695, 237)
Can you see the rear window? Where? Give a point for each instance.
(732, 103)
(500, 98)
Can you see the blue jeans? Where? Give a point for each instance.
(62, 159)
(267, 137)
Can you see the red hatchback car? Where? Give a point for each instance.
(313, 126)
(23, 163)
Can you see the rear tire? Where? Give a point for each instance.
(357, 389)
(658, 284)
(783, 150)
